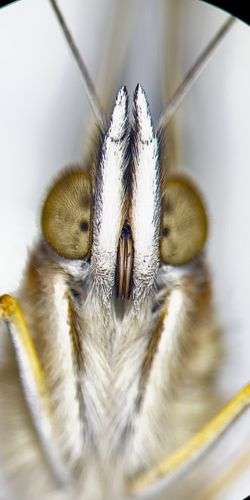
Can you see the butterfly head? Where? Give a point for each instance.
(120, 219)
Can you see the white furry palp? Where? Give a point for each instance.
(145, 198)
(109, 196)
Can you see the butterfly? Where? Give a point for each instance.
(112, 343)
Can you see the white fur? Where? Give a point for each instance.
(113, 351)
(60, 344)
(122, 433)
(110, 196)
(48, 321)
(38, 405)
(153, 412)
(145, 199)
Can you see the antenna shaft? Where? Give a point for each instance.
(194, 73)
(89, 85)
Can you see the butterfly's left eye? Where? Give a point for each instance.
(183, 222)
(66, 215)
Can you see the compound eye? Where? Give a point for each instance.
(184, 223)
(66, 215)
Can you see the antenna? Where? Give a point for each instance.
(194, 73)
(89, 85)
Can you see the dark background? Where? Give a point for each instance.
(240, 9)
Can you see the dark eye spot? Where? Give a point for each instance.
(165, 232)
(84, 226)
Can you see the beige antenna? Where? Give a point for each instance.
(89, 85)
(194, 73)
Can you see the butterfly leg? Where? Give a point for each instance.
(198, 443)
(33, 379)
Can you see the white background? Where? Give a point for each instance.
(44, 117)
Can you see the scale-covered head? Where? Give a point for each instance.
(129, 217)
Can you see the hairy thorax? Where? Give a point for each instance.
(143, 375)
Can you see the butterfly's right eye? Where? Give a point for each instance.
(66, 215)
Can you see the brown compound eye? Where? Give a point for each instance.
(184, 222)
(66, 215)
